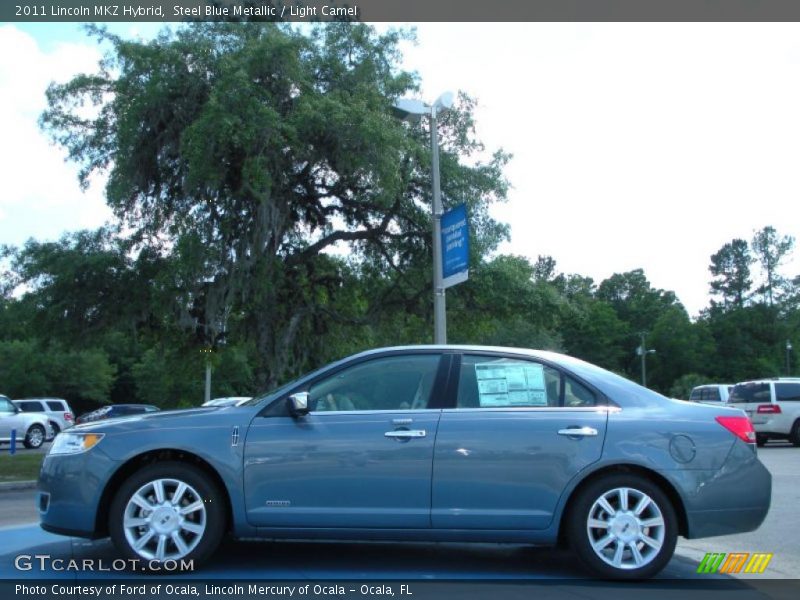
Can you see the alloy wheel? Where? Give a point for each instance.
(626, 528)
(165, 519)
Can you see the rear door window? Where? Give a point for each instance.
(787, 392)
(746, 393)
(30, 406)
(493, 382)
(56, 406)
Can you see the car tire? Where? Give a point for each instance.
(34, 438)
(56, 428)
(186, 522)
(761, 440)
(622, 527)
(794, 436)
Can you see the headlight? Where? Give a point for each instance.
(74, 443)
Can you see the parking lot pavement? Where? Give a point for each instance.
(391, 561)
(17, 507)
(21, 449)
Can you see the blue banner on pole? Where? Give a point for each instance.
(455, 246)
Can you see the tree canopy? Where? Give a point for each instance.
(272, 209)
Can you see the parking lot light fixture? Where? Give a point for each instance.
(413, 110)
(788, 363)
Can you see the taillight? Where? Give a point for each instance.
(768, 409)
(741, 427)
(68, 416)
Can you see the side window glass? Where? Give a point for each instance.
(577, 394)
(56, 406)
(391, 383)
(696, 395)
(787, 392)
(713, 394)
(29, 406)
(490, 382)
(6, 406)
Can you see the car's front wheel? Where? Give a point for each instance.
(34, 438)
(623, 527)
(170, 511)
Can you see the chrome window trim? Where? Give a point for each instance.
(599, 408)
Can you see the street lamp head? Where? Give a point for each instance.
(411, 110)
(788, 345)
(444, 102)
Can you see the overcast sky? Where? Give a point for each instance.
(635, 145)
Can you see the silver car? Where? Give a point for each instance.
(33, 429)
(56, 410)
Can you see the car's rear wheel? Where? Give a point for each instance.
(623, 527)
(761, 440)
(794, 436)
(167, 512)
(34, 438)
(56, 428)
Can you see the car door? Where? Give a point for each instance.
(362, 456)
(519, 432)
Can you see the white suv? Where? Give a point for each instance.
(773, 406)
(57, 410)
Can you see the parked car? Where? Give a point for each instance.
(33, 429)
(112, 411)
(57, 410)
(228, 401)
(423, 443)
(773, 405)
(714, 393)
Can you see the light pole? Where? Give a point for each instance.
(643, 352)
(788, 350)
(206, 352)
(414, 110)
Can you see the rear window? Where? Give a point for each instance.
(56, 406)
(750, 392)
(787, 392)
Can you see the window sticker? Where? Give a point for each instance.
(511, 384)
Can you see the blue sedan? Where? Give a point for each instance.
(423, 443)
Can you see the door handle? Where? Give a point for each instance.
(578, 432)
(405, 434)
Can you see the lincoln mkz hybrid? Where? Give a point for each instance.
(422, 443)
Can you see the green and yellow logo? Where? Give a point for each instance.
(720, 562)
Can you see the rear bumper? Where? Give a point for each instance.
(733, 499)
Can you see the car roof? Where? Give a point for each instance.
(771, 379)
(712, 385)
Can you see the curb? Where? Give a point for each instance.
(8, 486)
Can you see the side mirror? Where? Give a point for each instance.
(298, 404)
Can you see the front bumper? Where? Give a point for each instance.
(69, 492)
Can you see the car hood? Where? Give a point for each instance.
(191, 417)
